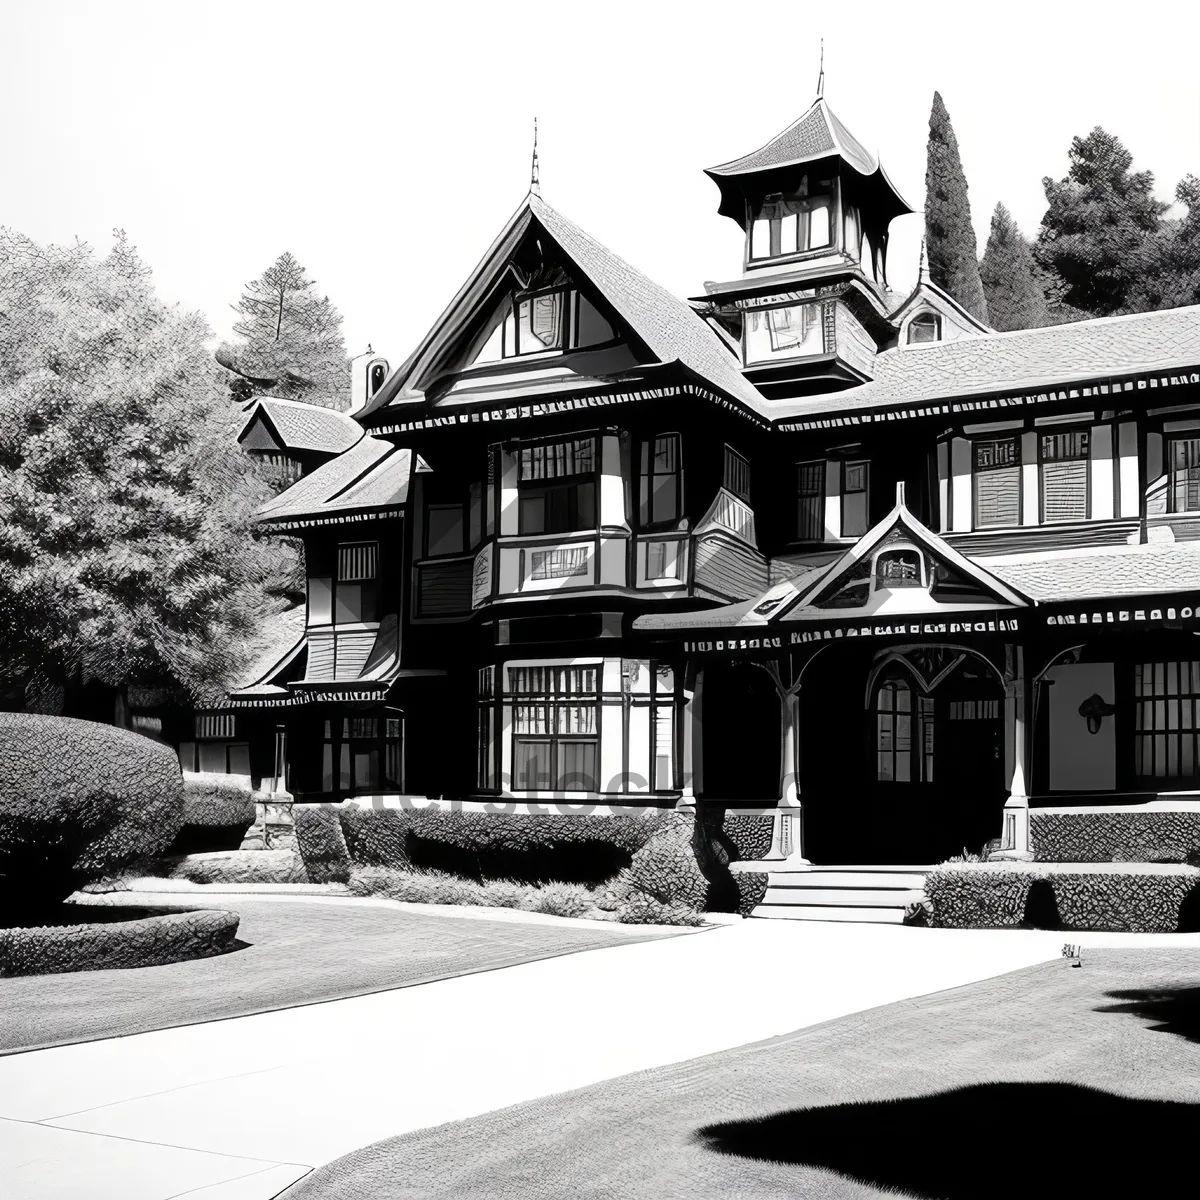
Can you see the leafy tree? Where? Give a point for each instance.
(126, 553)
(1100, 225)
(1012, 281)
(949, 234)
(292, 343)
(1170, 277)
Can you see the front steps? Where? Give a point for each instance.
(839, 893)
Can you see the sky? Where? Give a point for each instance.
(385, 145)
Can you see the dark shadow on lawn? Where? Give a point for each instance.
(1174, 1010)
(944, 1146)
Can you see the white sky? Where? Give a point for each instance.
(385, 145)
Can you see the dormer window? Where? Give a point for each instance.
(924, 328)
(793, 225)
(783, 332)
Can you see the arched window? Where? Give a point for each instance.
(897, 758)
(924, 327)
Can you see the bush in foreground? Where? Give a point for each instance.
(217, 811)
(79, 800)
(321, 844)
(239, 866)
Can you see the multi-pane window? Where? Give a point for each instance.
(974, 710)
(793, 330)
(662, 560)
(904, 738)
(362, 754)
(356, 596)
(810, 501)
(737, 474)
(791, 226)
(1065, 475)
(923, 328)
(486, 748)
(540, 323)
(652, 684)
(662, 480)
(556, 483)
(854, 498)
(1167, 719)
(556, 728)
(561, 563)
(997, 463)
(1184, 464)
(216, 747)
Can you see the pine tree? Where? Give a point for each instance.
(1011, 279)
(949, 234)
(126, 552)
(1170, 277)
(291, 339)
(1100, 225)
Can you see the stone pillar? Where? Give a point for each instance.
(787, 836)
(274, 827)
(1014, 836)
(692, 747)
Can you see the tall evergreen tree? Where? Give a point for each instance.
(126, 553)
(1011, 279)
(949, 234)
(1170, 277)
(291, 339)
(1099, 226)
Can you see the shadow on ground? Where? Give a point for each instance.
(1173, 1010)
(944, 1145)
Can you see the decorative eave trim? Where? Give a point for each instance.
(284, 525)
(1109, 387)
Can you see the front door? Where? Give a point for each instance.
(903, 730)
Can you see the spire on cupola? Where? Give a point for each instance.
(535, 184)
(821, 74)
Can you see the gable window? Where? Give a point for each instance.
(899, 568)
(556, 486)
(356, 597)
(794, 225)
(662, 480)
(855, 477)
(924, 327)
(997, 463)
(1184, 491)
(810, 501)
(737, 474)
(792, 330)
(555, 728)
(542, 322)
(1065, 475)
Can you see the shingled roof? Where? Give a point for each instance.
(1152, 568)
(309, 427)
(368, 479)
(1025, 360)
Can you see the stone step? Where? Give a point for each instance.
(850, 879)
(843, 897)
(828, 912)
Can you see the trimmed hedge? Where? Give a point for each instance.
(748, 833)
(321, 844)
(239, 866)
(973, 896)
(1113, 836)
(174, 936)
(79, 801)
(752, 890)
(216, 814)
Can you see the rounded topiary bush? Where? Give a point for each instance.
(217, 811)
(78, 800)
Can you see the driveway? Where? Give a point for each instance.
(236, 1106)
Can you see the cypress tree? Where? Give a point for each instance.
(1011, 279)
(949, 235)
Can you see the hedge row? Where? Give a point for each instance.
(748, 833)
(974, 896)
(148, 942)
(217, 800)
(1114, 836)
(321, 844)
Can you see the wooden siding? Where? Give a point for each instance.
(1185, 526)
(444, 588)
(727, 566)
(321, 654)
(353, 649)
(1043, 537)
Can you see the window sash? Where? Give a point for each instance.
(855, 492)
(997, 479)
(661, 480)
(737, 474)
(357, 561)
(1185, 474)
(810, 501)
(566, 562)
(1166, 720)
(557, 460)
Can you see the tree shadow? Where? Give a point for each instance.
(951, 1145)
(1174, 1010)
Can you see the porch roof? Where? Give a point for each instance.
(309, 427)
(1147, 569)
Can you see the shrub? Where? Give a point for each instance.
(640, 909)
(240, 866)
(321, 844)
(983, 898)
(218, 800)
(666, 869)
(1094, 837)
(752, 890)
(80, 800)
(96, 946)
(377, 837)
(438, 887)
(561, 900)
(748, 833)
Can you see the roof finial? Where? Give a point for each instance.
(821, 75)
(923, 275)
(535, 185)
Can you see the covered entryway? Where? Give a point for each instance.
(741, 734)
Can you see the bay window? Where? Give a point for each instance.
(795, 329)
(356, 591)
(556, 486)
(997, 474)
(362, 754)
(661, 480)
(555, 728)
(1065, 475)
(1184, 464)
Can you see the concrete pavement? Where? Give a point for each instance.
(237, 1109)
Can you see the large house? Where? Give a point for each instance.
(800, 546)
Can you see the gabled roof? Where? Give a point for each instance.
(1024, 360)
(307, 427)
(927, 293)
(368, 479)
(669, 328)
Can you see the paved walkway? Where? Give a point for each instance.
(234, 1110)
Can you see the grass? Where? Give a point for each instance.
(298, 952)
(940, 1096)
(556, 899)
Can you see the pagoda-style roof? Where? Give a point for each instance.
(816, 136)
(289, 425)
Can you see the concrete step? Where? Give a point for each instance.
(844, 897)
(850, 879)
(827, 912)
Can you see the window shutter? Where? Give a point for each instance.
(1064, 490)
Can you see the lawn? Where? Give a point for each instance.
(298, 952)
(1051, 1081)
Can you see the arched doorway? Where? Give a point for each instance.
(741, 733)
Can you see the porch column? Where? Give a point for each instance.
(691, 758)
(787, 837)
(1014, 836)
